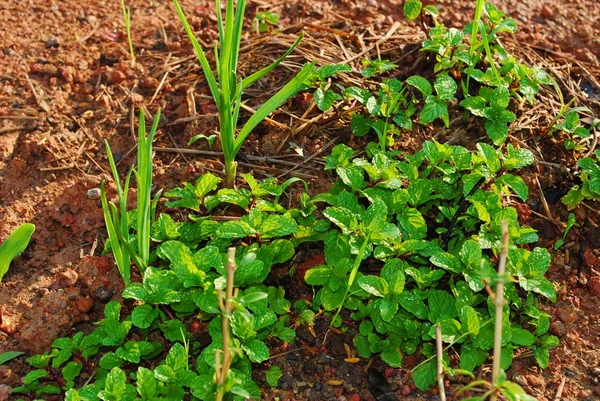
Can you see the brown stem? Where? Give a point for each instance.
(499, 302)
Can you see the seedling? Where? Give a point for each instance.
(227, 88)
(570, 223)
(126, 10)
(14, 245)
(264, 20)
(117, 220)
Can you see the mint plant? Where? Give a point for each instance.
(590, 182)
(324, 95)
(407, 215)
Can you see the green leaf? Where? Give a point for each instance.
(522, 337)
(143, 316)
(392, 357)
(14, 245)
(441, 306)
(373, 285)
(256, 350)
(7, 356)
(352, 176)
(490, 157)
(182, 263)
(421, 84)
(324, 99)
(72, 395)
(273, 375)
(387, 309)
(146, 383)
(517, 158)
(360, 125)
(115, 386)
(330, 70)
(71, 370)
(445, 87)
(434, 109)
(319, 276)
(278, 226)
(447, 261)
(205, 184)
(470, 320)
(425, 375)
(173, 330)
(471, 357)
(34, 376)
(471, 254)
(340, 156)
(499, 98)
(542, 357)
(343, 218)
(412, 9)
(475, 104)
(515, 183)
(110, 360)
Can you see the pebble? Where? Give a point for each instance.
(5, 392)
(52, 42)
(354, 397)
(67, 73)
(150, 83)
(558, 328)
(68, 278)
(406, 390)
(116, 77)
(84, 304)
(63, 305)
(547, 12)
(567, 316)
(65, 208)
(594, 285)
(103, 294)
(569, 374)
(535, 381)
(93, 193)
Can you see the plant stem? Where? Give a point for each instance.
(230, 172)
(222, 368)
(440, 362)
(499, 302)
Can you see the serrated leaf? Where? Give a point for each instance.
(421, 84)
(256, 350)
(373, 285)
(392, 357)
(360, 125)
(515, 183)
(273, 374)
(143, 316)
(324, 99)
(146, 383)
(412, 9)
(278, 226)
(441, 305)
(425, 375)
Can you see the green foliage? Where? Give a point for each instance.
(14, 245)
(227, 89)
(429, 218)
(264, 20)
(590, 182)
(118, 220)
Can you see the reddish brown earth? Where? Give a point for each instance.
(66, 84)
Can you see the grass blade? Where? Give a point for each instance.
(259, 74)
(277, 100)
(121, 257)
(237, 33)
(7, 356)
(14, 245)
(210, 78)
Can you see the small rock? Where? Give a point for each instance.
(65, 208)
(104, 295)
(84, 304)
(569, 374)
(589, 259)
(594, 285)
(354, 397)
(5, 392)
(405, 390)
(567, 316)
(150, 83)
(8, 377)
(547, 11)
(67, 72)
(535, 381)
(93, 193)
(68, 278)
(52, 42)
(116, 77)
(558, 328)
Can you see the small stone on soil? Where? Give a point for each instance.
(594, 285)
(93, 193)
(116, 77)
(5, 392)
(84, 305)
(535, 381)
(68, 278)
(103, 295)
(52, 42)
